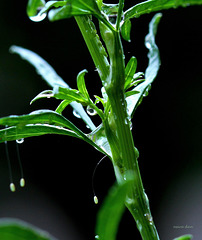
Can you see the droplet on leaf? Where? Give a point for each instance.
(19, 141)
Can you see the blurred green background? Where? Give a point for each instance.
(58, 196)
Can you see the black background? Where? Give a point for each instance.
(166, 127)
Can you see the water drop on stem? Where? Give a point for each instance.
(76, 114)
(91, 111)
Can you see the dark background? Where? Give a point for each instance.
(58, 196)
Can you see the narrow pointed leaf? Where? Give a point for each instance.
(157, 5)
(39, 123)
(43, 94)
(125, 30)
(33, 130)
(51, 4)
(81, 84)
(152, 69)
(38, 117)
(184, 237)
(75, 8)
(51, 78)
(34, 6)
(42, 67)
(14, 229)
(111, 211)
(69, 94)
(62, 106)
(130, 93)
(130, 71)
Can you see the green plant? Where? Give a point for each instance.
(122, 92)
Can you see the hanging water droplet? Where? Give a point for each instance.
(76, 114)
(91, 111)
(19, 141)
(12, 187)
(22, 182)
(38, 18)
(95, 200)
(97, 237)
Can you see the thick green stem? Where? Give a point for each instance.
(94, 45)
(117, 125)
(126, 162)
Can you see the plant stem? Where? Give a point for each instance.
(137, 201)
(94, 45)
(117, 125)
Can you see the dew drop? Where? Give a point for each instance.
(139, 225)
(95, 200)
(97, 237)
(12, 187)
(149, 217)
(22, 182)
(38, 18)
(76, 114)
(91, 111)
(19, 141)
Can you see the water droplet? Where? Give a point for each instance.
(149, 218)
(12, 187)
(95, 200)
(19, 141)
(38, 18)
(22, 182)
(76, 114)
(126, 121)
(139, 225)
(91, 111)
(97, 237)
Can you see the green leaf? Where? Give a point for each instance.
(62, 106)
(110, 9)
(130, 93)
(184, 237)
(157, 5)
(14, 229)
(130, 71)
(42, 67)
(81, 84)
(69, 94)
(98, 136)
(34, 6)
(33, 130)
(125, 30)
(152, 69)
(51, 4)
(75, 8)
(38, 117)
(39, 123)
(35, 124)
(111, 211)
(51, 78)
(43, 94)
